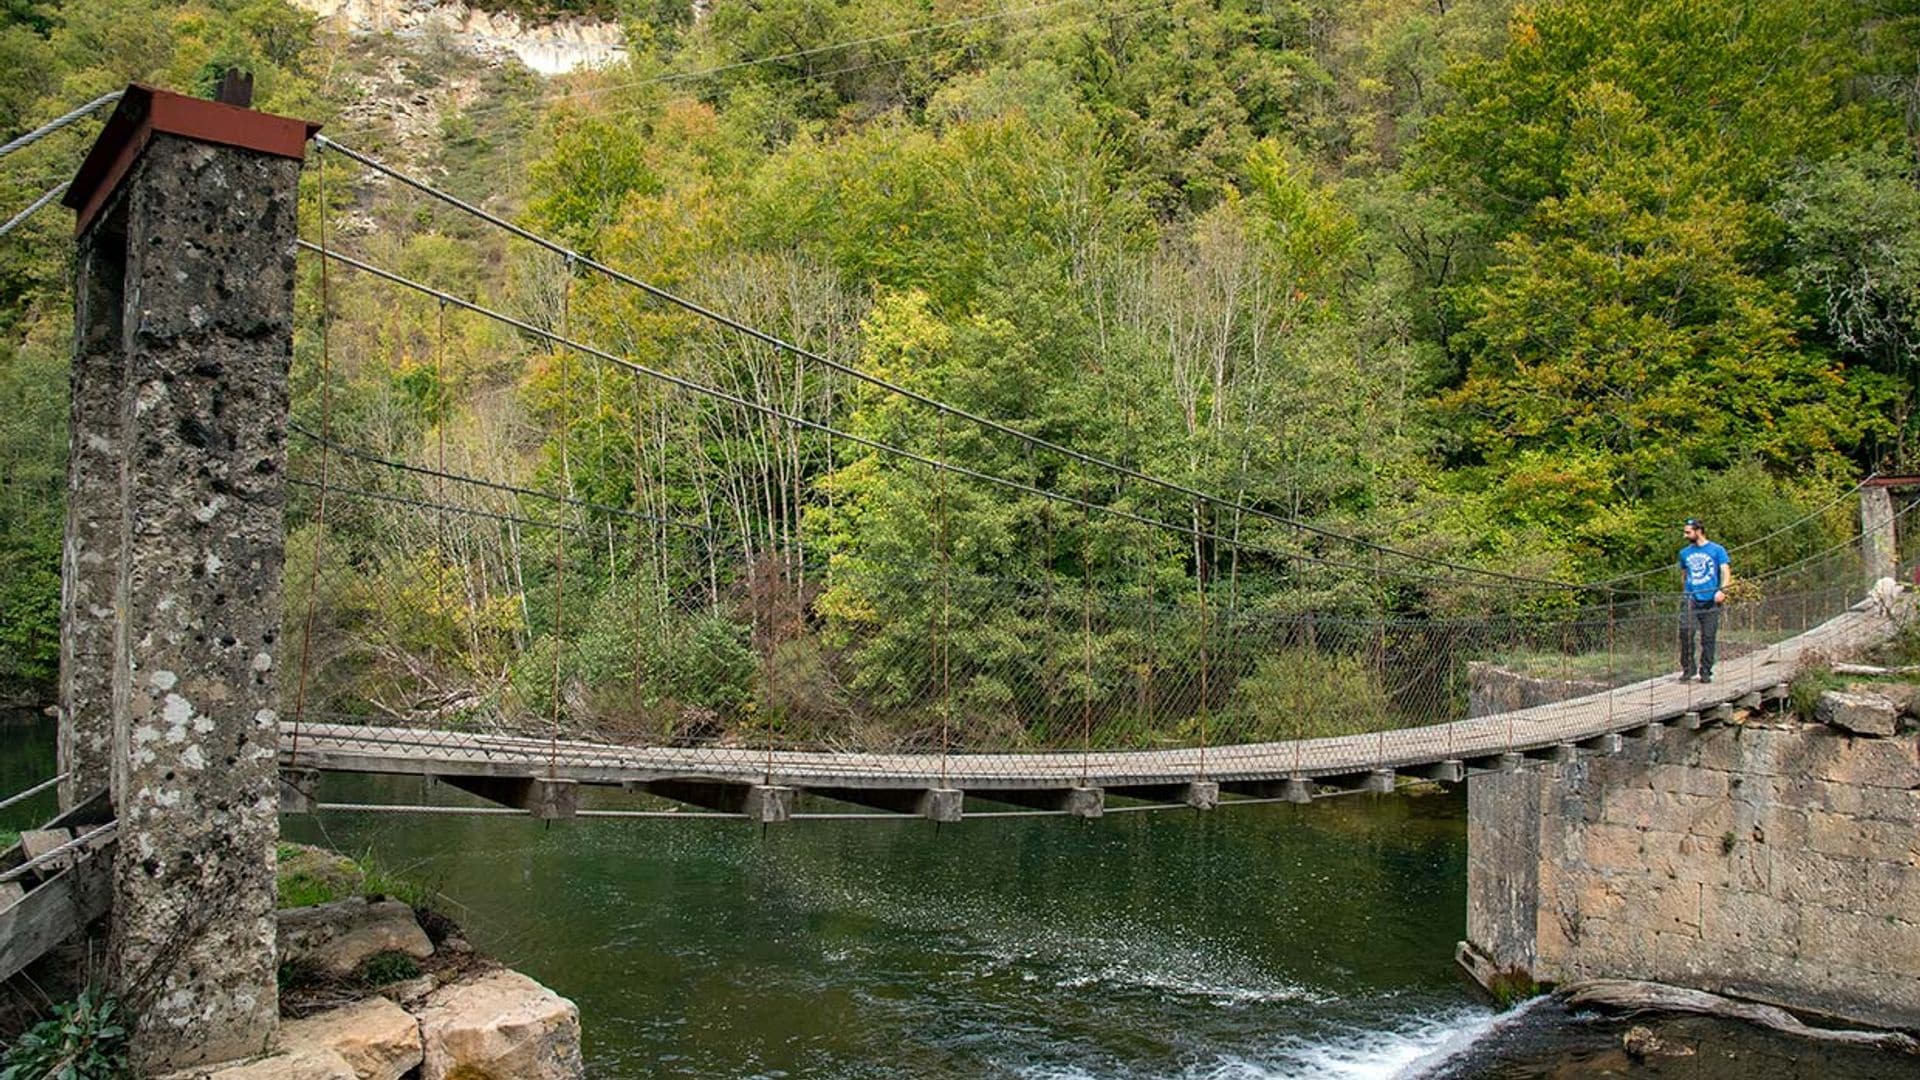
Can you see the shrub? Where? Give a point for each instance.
(84, 1040)
(1305, 693)
(389, 967)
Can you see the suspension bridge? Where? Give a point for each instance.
(292, 593)
(762, 783)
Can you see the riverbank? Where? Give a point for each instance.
(1246, 944)
(377, 984)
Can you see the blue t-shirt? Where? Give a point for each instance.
(1700, 564)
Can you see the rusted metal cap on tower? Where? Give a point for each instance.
(145, 111)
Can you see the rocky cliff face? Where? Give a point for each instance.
(548, 48)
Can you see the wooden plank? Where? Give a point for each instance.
(55, 911)
(35, 843)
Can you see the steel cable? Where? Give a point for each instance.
(60, 122)
(773, 341)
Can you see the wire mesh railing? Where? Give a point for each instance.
(507, 539)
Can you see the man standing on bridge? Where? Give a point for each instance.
(1703, 566)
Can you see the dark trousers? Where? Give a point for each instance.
(1698, 619)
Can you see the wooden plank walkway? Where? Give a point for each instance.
(1475, 742)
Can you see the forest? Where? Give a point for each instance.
(1445, 305)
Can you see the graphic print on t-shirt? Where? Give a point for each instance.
(1702, 563)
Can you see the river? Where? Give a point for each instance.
(1251, 942)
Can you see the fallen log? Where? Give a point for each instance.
(1633, 997)
(1875, 669)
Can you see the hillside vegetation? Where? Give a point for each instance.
(1513, 285)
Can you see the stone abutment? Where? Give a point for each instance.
(1770, 860)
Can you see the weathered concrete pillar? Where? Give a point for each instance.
(202, 200)
(90, 556)
(1878, 547)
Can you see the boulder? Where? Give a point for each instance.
(331, 871)
(1860, 712)
(310, 1064)
(335, 939)
(500, 1026)
(377, 1038)
(410, 992)
(1905, 697)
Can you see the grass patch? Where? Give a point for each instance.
(300, 890)
(309, 876)
(383, 883)
(8, 838)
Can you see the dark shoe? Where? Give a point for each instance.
(1686, 676)
(1706, 678)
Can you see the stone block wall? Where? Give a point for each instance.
(1779, 863)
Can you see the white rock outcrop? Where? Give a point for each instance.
(378, 1039)
(551, 48)
(497, 1026)
(337, 938)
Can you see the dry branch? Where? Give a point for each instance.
(1633, 997)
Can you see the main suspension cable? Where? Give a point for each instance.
(1000, 427)
(873, 444)
(492, 485)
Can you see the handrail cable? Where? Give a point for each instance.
(36, 789)
(1040, 442)
(873, 444)
(1745, 544)
(90, 837)
(421, 504)
(462, 478)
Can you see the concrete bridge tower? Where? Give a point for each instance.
(187, 216)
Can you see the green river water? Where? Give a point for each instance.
(1251, 942)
